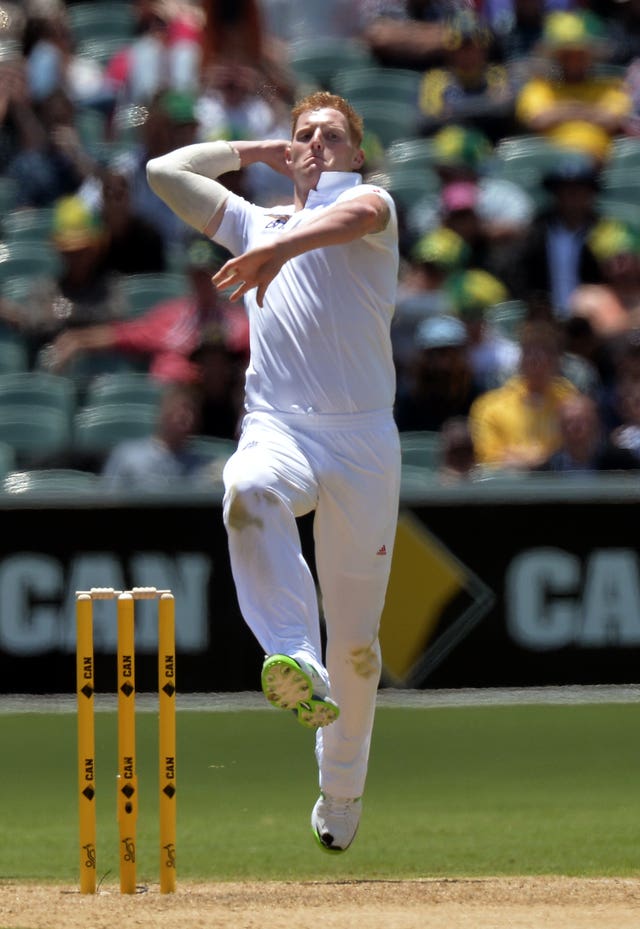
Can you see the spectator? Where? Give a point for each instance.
(134, 245)
(623, 369)
(408, 34)
(165, 54)
(19, 125)
(89, 289)
(493, 356)
(53, 63)
(516, 426)
(583, 343)
(171, 122)
(492, 247)
(519, 29)
(622, 21)
(555, 256)
(169, 332)
(287, 22)
(584, 445)
(233, 103)
(52, 161)
(440, 381)
(457, 455)
(471, 87)
(626, 434)
(574, 107)
(459, 154)
(256, 35)
(82, 293)
(422, 291)
(612, 306)
(236, 101)
(499, 12)
(164, 460)
(233, 32)
(221, 379)
(459, 212)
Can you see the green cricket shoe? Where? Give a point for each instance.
(294, 685)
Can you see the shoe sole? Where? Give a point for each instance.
(287, 687)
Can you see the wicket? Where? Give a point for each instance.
(127, 785)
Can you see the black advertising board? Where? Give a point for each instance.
(520, 586)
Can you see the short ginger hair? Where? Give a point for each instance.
(321, 100)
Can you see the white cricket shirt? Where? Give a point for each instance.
(320, 343)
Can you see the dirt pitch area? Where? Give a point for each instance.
(485, 903)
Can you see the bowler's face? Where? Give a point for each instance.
(322, 142)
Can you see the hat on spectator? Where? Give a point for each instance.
(440, 332)
(572, 168)
(441, 247)
(460, 147)
(460, 195)
(465, 26)
(506, 204)
(473, 291)
(74, 225)
(564, 30)
(610, 238)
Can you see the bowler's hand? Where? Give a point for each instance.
(256, 268)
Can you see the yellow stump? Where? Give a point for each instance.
(86, 742)
(167, 741)
(127, 778)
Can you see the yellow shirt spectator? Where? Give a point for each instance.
(509, 427)
(577, 100)
(517, 425)
(574, 106)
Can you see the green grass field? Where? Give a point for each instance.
(504, 790)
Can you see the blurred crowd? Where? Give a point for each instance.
(507, 130)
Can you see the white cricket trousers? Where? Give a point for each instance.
(347, 469)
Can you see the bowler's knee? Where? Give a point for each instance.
(244, 504)
(366, 660)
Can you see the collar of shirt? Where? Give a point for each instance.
(330, 184)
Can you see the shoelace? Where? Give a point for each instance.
(338, 807)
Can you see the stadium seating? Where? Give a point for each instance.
(50, 480)
(8, 194)
(507, 317)
(213, 447)
(32, 257)
(123, 387)
(32, 224)
(410, 154)
(378, 84)
(96, 429)
(390, 120)
(142, 291)
(40, 388)
(409, 185)
(14, 351)
(7, 458)
(96, 20)
(420, 448)
(315, 62)
(34, 431)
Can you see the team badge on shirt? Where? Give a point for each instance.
(276, 219)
